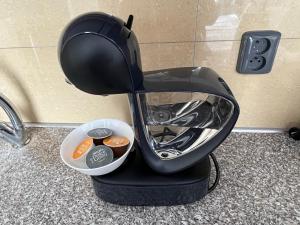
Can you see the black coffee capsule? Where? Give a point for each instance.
(99, 134)
(98, 156)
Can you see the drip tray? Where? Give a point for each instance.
(134, 183)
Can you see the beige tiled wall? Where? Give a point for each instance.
(172, 33)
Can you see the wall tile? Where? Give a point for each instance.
(229, 19)
(270, 100)
(34, 82)
(166, 55)
(39, 23)
(160, 21)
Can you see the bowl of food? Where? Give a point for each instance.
(78, 152)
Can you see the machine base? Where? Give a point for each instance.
(135, 184)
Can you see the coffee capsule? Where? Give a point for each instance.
(83, 148)
(98, 156)
(118, 144)
(99, 134)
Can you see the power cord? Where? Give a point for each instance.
(217, 168)
(295, 133)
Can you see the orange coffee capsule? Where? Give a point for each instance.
(117, 143)
(82, 148)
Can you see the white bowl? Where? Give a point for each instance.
(73, 139)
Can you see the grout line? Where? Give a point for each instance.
(258, 130)
(178, 42)
(289, 38)
(141, 43)
(15, 47)
(235, 130)
(195, 35)
(165, 42)
(52, 125)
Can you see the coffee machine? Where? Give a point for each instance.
(180, 115)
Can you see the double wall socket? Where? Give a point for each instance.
(257, 52)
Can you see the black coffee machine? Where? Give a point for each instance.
(180, 115)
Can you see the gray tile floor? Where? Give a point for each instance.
(260, 184)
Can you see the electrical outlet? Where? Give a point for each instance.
(257, 52)
(256, 63)
(261, 45)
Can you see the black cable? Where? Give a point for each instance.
(217, 168)
(295, 133)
